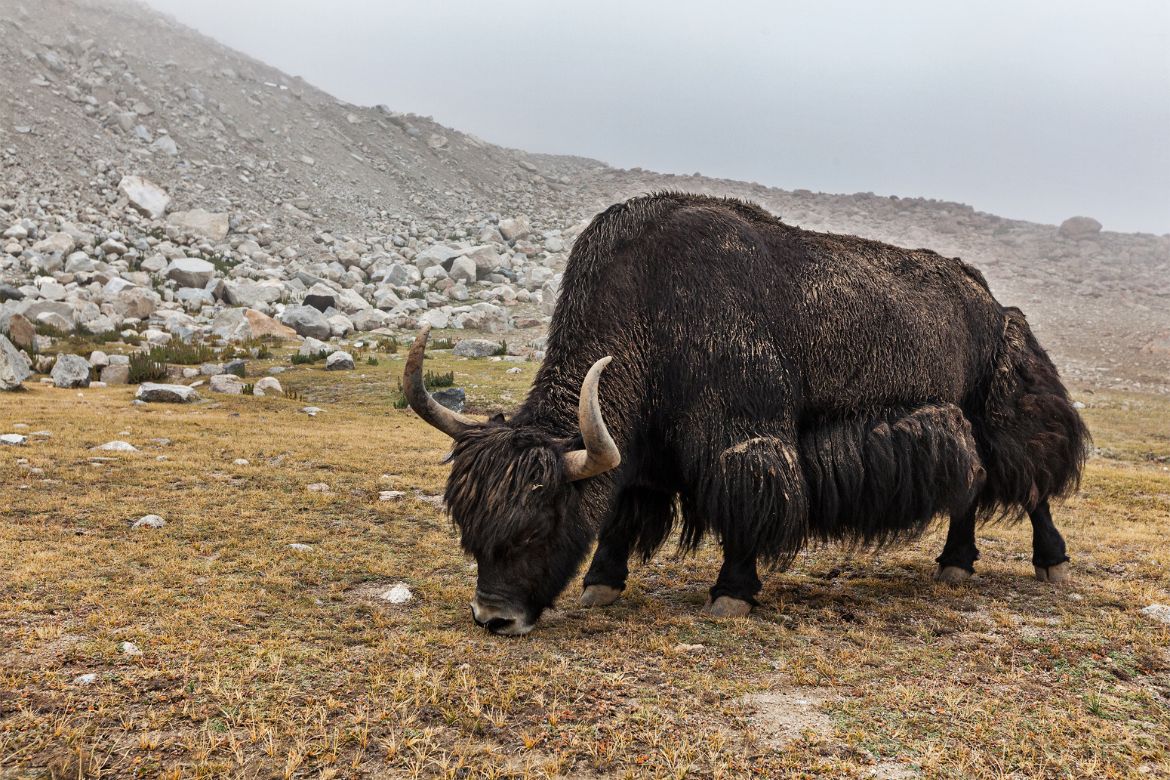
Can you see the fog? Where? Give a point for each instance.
(1038, 110)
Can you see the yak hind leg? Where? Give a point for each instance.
(1048, 551)
(643, 516)
(956, 563)
(734, 593)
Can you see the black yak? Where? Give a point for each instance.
(764, 384)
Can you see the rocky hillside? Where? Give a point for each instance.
(154, 181)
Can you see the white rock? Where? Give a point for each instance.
(210, 225)
(191, 272)
(301, 547)
(149, 521)
(318, 487)
(144, 195)
(398, 593)
(240, 462)
(169, 394)
(267, 386)
(226, 383)
(13, 439)
(85, 679)
(312, 411)
(129, 648)
(1159, 612)
(339, 361)
(117, 446)
(390, 495)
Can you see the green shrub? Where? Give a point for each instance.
(144, 368)
(439, 380)
(299, 360)
(503, 348)
(182, 354)
(442, 344)
(371, 361)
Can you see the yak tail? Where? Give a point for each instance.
(879, 479)
(1032, 440)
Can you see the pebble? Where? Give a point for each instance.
(390, 495)
(318, 487)
(13, 439)
(398, 593)
(117, 446)
(312, 411)
(240, 462)
(129, 648)
(85, 679)
(149, 521)
(301, 547)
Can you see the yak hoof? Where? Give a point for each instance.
(599, 596)
(952, 575)
(1055, 574)
(726, 606)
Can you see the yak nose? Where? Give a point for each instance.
(506, 621)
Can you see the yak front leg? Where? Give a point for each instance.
(956, 564)
(642, 513)
(734, 593)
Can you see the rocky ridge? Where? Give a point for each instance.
(157, 184)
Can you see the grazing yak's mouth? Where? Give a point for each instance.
(499, 619)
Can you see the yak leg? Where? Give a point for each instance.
(734, 593)
(956, 564)
(638, 509)
(1048, 551)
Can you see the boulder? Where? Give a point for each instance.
(190, 272)
(116, 375)
(435, 255)
(463, 269)
(306, 321)
(56, 242)
(321, 297)
(312, 346)
(477, 348)
(253, 295)
(226, 383)
(1079, 227)
(13, 367)
(454, 398)
(514, 228)
(136, 302)
(370, 319)
(22, 332)
(166, 394)
(210, 225)
(145, 196)
(70, 371)
(246, 324)
(267, 386)
(339, 361)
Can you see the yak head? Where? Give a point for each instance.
(511, 493)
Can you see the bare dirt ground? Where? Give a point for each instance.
(256, 659)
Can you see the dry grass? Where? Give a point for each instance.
(262, 661)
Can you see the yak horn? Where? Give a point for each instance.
(600, 453)
(447, 421)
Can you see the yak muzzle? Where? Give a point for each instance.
(500, 619)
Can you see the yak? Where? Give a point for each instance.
(712, 369)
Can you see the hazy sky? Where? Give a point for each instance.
(1034, 109)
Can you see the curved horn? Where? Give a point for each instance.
(600, 453)
(447, 421)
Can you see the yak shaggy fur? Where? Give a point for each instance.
(772, 386)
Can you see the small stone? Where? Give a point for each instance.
(318, 487)
(398, 593)
(129, 648)
(390, 495)
(301, 547)
(1159, 612)
(312, 411)
(240, 462)
(13, 439)
(117, 446)
(685, 648)
(149, 521)
(514, 370)
(85, 679)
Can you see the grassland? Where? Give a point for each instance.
(259, 660)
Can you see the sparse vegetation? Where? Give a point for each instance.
(435, 380)
(182, 354)
(262, 660)
(144, 367)
(313, 357)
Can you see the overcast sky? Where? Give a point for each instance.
(1033, 109)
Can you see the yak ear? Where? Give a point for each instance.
(498, 417)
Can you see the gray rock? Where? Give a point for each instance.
(517, 227)
(1079, 227)
(13, 439)
(370, 319)
(339, 361)
(70, 371)
(144, 195)
(477, 348)
(209, 225)
(191, 272)
(116, 375)
(312, 346)
(116, 446)
(226, 383)
(267, 386)
(166, 394)
(306, 321)
(435, 255)
(454, 398)
(462, 269)
(13, 367)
